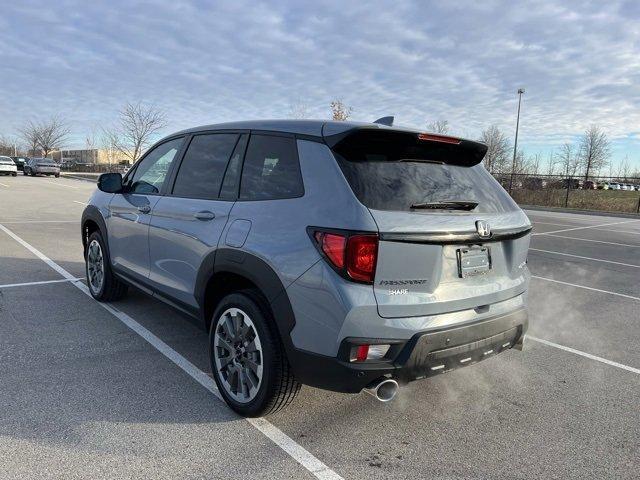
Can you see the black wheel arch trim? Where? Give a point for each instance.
(258, 272)
(91, 212)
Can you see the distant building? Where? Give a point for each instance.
(88, 156)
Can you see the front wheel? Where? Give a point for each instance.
(103, 284)
(247, 358)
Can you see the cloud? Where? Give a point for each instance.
(207, 62)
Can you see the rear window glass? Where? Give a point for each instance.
(385, 180)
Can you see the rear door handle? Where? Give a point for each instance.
(144, 209)
(205, 215)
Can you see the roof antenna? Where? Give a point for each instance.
(388, 121)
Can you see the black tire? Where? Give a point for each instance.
(111, 287)
(15, 174)
(32, 173)
(278, 387)
(57, 175)
(24, 172)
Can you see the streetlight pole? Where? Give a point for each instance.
(515, 143)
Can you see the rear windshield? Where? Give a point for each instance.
(385, 181)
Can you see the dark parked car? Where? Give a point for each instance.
(20, 161)
(41, 166)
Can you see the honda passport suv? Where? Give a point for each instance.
(345, 256)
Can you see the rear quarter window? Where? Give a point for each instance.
(271, 169)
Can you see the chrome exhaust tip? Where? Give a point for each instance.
(384, 389)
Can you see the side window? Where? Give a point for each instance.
(271, 169)
(152, 171)
(231, 180)
(203, 165)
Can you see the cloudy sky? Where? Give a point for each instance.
(207, 62)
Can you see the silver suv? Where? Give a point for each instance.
(346, 256)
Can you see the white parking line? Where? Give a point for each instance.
(583, 228)
(44, 282)
(632, 232)
(277, 436)
(62, 185)
(589, 240)
(41, 221)
(535, 222)
(4, 185)
(584, 354)
(81, 203)
(585, 258)
(585, 287)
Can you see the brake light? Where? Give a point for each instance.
(362, 254)
(431, 137)
(333, 247)
(353, 256)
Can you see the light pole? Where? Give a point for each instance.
(515, 143)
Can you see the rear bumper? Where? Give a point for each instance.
(424, 355)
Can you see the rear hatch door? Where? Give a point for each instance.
(450, 237)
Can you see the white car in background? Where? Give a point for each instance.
(8, 166)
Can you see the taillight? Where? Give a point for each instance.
(353, 256)
(362, 254)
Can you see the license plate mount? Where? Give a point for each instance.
(473, 261)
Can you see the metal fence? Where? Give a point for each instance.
(93, 167)
(611, 194)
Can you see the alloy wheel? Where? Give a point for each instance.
(238, 355)
(95, 266)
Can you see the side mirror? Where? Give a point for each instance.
(110, 182)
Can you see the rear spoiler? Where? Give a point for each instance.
(362, 142)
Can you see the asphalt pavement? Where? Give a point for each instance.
(122, 391)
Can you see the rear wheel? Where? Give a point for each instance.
(57, 175)
(248, 361)
(14, 174)
(103, 284)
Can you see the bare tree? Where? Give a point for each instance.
(30, 134)
(7, 146)
(594, 150)
(298, 109)
(568, 159)
(52, 134)
(438, 126)
(340, 111)
(137, 126)
(551, 164)
(497, 156)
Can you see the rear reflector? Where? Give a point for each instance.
(333, 247)
(362, 353)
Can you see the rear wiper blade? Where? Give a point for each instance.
(446, 205)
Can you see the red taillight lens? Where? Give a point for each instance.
(354, 256)
(333, 246)
(362, 256)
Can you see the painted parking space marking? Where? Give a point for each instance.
(81, 203)
(4, 185)
(43, 282)
(590, 240)
(589, 226)
(584, 258)
(277, 436)
(38, 221)
(584, 354)
(585, 287)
